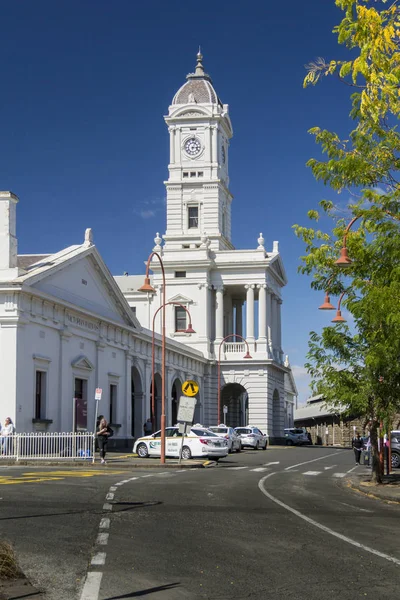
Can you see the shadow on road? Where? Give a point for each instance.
(159, 588)
(130, 506)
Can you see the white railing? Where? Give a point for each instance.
(234, 348)
(47, 446)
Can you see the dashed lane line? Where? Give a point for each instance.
(91, 588)
(312, 473)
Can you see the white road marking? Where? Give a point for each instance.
(314, 459)
(260, 469)
(102, 539)
(151, 475)
(357, 507)
(312, 473)
(351, 469)
(104, 523)
(344, 538)
(338, 475)
(110, 496)
(107, 506)
(272, 463)
(237, 468)
(91, 589)
(99, 559)
(131, 479)
(113, 488)
(325, 468)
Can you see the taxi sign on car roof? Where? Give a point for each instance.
(190, 388)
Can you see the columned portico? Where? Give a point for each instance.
(250, 314)
(262, 318)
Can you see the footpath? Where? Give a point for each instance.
(388, 490)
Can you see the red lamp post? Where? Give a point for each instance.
(189, 329)
(247, 355)
(147, 287)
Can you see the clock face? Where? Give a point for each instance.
(192, 146)
(223, 154)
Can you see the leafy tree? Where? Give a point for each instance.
(360, 366)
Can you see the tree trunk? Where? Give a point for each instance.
(376, 475)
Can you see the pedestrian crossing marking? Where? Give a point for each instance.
(327, 468)
(338, 475)
(237, 468)
(260, 469)
(271, 463)
(312, 473)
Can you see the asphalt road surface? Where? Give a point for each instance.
(279, 524)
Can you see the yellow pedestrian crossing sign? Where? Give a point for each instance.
(190, 388)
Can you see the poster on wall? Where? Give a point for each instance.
(80, 414)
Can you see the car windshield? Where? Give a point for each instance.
(243, 430)
(219, 429)
(204, 433)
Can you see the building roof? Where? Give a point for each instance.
(198, 88)
(130, 283)
(316, 407)
(25, 261)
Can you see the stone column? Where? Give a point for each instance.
(279, 329)
(269, 324)
(208, 143)
(219, 316)
(127, 404)
(171, 144)
(214, 156)
(250, 314)
(262, 318)
(239, 317)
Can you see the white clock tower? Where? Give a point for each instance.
(198, 196)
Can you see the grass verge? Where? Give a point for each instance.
(9, 568)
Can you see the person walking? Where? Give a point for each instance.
(102, 439)
(7, 430)
(148, 427)
(357, 447)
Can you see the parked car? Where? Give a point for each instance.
(200, 442)
(395, 447)
(295, 436)
(228, 433)
(252, 437)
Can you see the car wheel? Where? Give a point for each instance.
(142, 451)
(265, 447)
(257, 446)
(186, 453)
(395, 460)
(289, 443)
(239, 448)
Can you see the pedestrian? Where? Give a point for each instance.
(102, 439)
(148, 427)
(357, 447)
(7, 430)
(96, 443)
(309, 437)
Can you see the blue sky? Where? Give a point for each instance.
(85, 85)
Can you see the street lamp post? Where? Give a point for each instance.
(189, 329)
(147, 287)
(247, 355)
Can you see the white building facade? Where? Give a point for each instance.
(233, 296)
(68, 327)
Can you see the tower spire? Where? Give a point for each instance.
(199, 66)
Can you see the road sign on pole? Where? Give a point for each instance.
(190, 388)
(186, 409)
(98, 393)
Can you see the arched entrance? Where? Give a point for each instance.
(136, 403)
(276, 415)
(234, 396)
(175, 395)
(157, 401)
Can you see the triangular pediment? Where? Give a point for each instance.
(181, 299)
(84, 281)
(277, 269)
(82, 362)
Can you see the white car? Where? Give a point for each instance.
(228, 433)
(252, 437)
(199, 443)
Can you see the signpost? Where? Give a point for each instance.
(187, 405)
(97, 398)
(225, 413)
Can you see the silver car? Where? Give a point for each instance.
(228, 433)
(295, 436)
(252, 437)
(395, 447)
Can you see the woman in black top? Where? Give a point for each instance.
(102, 439)
(357, 447)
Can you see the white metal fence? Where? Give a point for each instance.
(47, 446)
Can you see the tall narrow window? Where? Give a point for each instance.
(40, 394)
(193, 217)
(113, 402)
(180, 319)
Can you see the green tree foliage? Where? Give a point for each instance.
(360, 366)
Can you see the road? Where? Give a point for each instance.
(278, 524)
